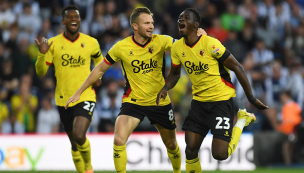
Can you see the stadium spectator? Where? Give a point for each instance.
(3, 108)
(217, 31)
(29, 23)
(12, 126)
(24, 105)
(7, 17)
(48, 120)
(290, 119)
(108, 107)
(231, 20)
(248, 37)
(9, 78)
(295, 42)
(210, 15)
(235, 46)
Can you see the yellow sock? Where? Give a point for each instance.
(175, 157)
(85, 151)
(193, 166)
(235, 137)
(120, 158)
(78, 161)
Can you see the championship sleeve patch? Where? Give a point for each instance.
(224, 56)
(96, 55)
(109, 59)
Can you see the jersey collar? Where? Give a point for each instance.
(141, 45)
(69, 39)
(191, 46)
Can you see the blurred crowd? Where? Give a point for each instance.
(265, 36)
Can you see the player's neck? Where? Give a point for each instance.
(141, 40)
(70, 36)
(191, 39)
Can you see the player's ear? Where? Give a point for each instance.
(196, 25)
(135, 26)
(62, 21)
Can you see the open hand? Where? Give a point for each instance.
(43, 46)
(97, 83)
(258, 104)
(73, 99)
(162, 94)
(200, 32)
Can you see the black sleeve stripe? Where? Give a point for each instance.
(96, 55)
(110, 59)
(224, 56)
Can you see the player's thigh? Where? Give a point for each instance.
(83, 113)
(196, 125)
(124, 126)
(168, 136)
(219, 147)
(193, 140)
(66, 119)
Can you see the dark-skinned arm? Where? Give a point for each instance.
(171, 81)
(232, 64)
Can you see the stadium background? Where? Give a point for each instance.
(266, 37)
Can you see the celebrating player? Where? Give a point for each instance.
(207, 63)
(142, 62)
(71, 54)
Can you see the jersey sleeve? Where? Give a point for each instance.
(45, 60)
(175, 60)
(96, 53)
(113, 55)
(217, 50)
(167, 41)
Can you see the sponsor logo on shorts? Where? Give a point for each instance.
(226, 133)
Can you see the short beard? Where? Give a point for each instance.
(72, 32)
(143, 34)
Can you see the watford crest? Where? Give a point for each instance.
(202, 52)
(82, 45)
(151, 49)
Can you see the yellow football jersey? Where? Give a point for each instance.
(72, 61)
(203, 62)
(143, 67)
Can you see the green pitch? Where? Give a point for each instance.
(259, 170)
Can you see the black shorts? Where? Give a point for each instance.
(162, 115)
(217, 116)
(67, 116)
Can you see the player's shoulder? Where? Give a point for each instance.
(161, 37)
(179, 43)
(209, 39)
(124, 42)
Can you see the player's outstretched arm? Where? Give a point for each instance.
(171, 81)
(97, 72)
(237, 68)
(41, 66)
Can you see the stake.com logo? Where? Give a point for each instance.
(14, 157)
